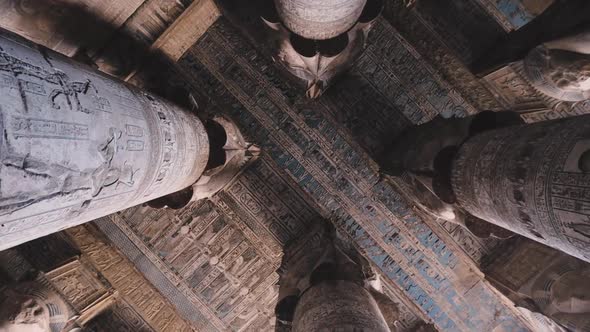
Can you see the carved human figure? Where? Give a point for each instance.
(60, 181)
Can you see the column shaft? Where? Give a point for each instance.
(338, 306)
(77, 145)
(533, 180)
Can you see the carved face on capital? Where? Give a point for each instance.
(561, 69)
(570, 293)
(318, 57)
(22, 313)
(568, 70)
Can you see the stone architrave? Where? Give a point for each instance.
(77, 145)
(532, 179)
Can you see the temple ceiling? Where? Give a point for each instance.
(215, 261)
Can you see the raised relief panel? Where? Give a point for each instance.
(79, 285)
(113, 132)
(304, 145)
(516, 92)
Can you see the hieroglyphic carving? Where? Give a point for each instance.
(339, 305)
(52, 183)
(212, 264)
(541, 192)
(77, 284)
(433, 47)
(131, 285)
(349, 194)
(13, 265)
(514, 89)
(516, 92)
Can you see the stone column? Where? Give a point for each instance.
(77, 145)
(531, 179)
(338, 306)
(561, 68)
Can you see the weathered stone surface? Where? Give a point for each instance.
(319, 63)
(137, 292)
(532, 180)
(78, 145)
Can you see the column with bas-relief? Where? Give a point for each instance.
(491, 173)
(77, 145)
(532, 179)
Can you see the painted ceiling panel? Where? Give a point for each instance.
(304, 140)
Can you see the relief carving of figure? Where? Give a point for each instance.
(46, 181)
